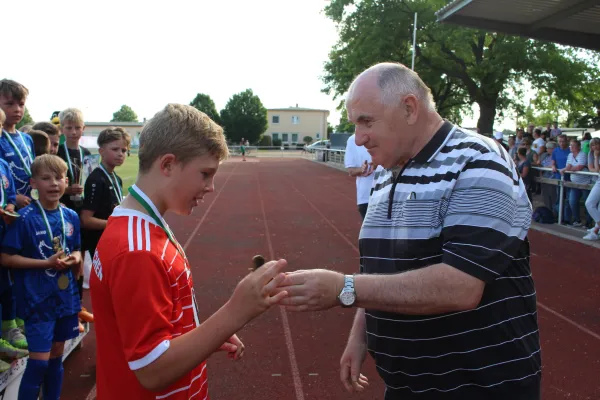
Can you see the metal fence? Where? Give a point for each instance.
(337, 157)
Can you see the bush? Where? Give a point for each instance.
(307, 140)
(265, 141)
(277, 142)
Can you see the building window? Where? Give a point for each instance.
(275, 119)
(275, 136)
(284, 137)
(318, 135)
(294, 138)
(295, 119)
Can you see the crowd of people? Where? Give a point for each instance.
(55, 205)
(551, 148)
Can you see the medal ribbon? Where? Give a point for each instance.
(115, 183)
(151, 209)
(25, 166)
(70, 165)
(49, 229)
(3, 199)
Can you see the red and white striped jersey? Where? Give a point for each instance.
(142, 298)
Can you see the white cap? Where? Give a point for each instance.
(498, 135)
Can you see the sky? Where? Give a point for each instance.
(99, 55)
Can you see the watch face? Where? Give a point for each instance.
(347, 298)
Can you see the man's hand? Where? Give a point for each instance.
(70, 262)
(257, 292)
(351, 363)
(311, 290)
(368, 168)
(22, 201)
(234, 348)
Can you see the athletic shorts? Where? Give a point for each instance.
(41, 335)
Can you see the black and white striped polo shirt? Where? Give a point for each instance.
(460, 202)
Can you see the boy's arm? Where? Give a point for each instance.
(18, 261)
(155, 357)
(11, 192)
(92, 199)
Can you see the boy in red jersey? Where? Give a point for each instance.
(150, 343)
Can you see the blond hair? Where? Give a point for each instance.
(183, 131)
(73, 115)
(113, 133)
(48, 162)
(2, 117)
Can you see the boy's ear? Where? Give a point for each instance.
(167, 164)
(33, 183)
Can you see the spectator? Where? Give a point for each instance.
(499, 138)
(538, 142)
(556, 131)
(549, 193)
(577, 161)
(524, 168)
(592, 204)
(512, 147)
(585, 142)
(559, 162)
(357, 161)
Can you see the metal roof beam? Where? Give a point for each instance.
(563, 14)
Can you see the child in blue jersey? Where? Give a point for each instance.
(16, 148)
(7, 302)
(12, 337)
(43, 247)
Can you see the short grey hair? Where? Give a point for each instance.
(550, 144)
(396, 80)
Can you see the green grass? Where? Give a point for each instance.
(128, 172)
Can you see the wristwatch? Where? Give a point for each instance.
(347, 296)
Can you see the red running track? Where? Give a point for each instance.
(306, 213)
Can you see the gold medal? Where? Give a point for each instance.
(63, 281)
(11, 214)
(35, 195)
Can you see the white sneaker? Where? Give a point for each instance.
(592, 229)
(591, 236)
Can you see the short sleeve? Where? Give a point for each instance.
(11, 193)
(14, 236)
(487, 218)
(76, 232)
(141, 296)
(93, 193)
(350, 157)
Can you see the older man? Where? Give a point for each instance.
(445, 300)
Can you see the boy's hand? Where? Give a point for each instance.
(55, 262)
(74, 189)
(23, 201)
(10, 207)
(234, 348)
(256, 293)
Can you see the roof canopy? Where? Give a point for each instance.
(568, 22)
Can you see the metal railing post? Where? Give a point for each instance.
(561, 193)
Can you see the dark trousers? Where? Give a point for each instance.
(362, 209)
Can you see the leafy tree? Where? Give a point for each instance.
(345, 126)
(204, 103)
(26, 120)
(244, 116)
(125, 114)
(307, 139)
(462, 66)
(329, 129)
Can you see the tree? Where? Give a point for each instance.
(345, 126)
(125, 114)
(204, 103)
(307, 139)
(329, 129)
(26, 120)
(462, 66)
(244, 116)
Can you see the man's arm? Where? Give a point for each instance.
(436, 289)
